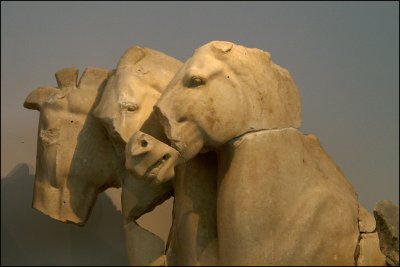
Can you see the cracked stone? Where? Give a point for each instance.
(370, 255)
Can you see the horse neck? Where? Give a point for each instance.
(248, 187)
(239, 152)
(64, 204)
(265, 176)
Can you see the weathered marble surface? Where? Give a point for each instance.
(220, 133)
(387, 224)
(125, 107)
(150, 158)
(78, 151)
(278, 198)
(75, 160)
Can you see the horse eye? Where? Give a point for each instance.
(132, 107)
(195, 82)
(129, 106)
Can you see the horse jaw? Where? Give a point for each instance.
(59, 191)
(149, 158)
(63, 205)
(185, 136)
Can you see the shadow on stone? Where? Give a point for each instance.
(31, 238)
(387, 225)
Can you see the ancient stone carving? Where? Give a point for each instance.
(280, 199)
(150, 158)
(75, 160)
(220, 133)
(193, 235)
(141, 76)
(125, 107)
(72, 118)
(368, 253)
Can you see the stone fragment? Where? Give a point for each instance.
(366, 221)
(125, 107)
(146, 248)
(387, 225)
(75, 160)
(370, 255)
(148, 157)
(281, 200)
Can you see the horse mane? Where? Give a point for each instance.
(69, 93)
(267, 81)
(153, 67)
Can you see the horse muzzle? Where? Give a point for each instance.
(149, 158)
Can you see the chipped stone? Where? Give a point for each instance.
(369, 254)
(387, 225)
(366, 221)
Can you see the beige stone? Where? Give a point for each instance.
(75, 157)
(387, 217)
(279, 199)
(125, 107)
(193, 236)
(366, 220)
(146, 247)
(128, 87)
(246, 92)
(249, 187)
(148, 158)
(370, 255)
(127, 102)
(75, 148)
(75, 160)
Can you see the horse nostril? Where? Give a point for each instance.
(144, 143)
(166, 156)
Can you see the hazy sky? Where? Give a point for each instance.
(344, 57)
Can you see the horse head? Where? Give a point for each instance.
(130, 94)
(126, 107)
(224, 91)
(231, 99)
(75, 160)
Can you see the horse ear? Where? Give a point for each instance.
(222, 46)
(67, 77)
(38, 96)
(131, 57)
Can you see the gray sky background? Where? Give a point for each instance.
(344, 57)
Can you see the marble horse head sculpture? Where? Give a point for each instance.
(126, 107)
(281, 198)
(95, 141)
(75, 159)
(135, 80)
